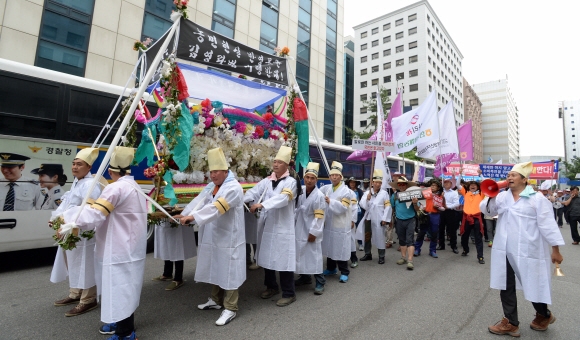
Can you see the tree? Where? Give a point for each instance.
(371, 106)
(572, 169)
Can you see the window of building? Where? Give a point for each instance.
(363, 84)
(386, 26)
(414, 102)
(269, 27)
(413, 17)
(375, 43)
(363, 123)
(374, 95)
(363, 59)
(363, 97)
(386, 52)
(363, 71)
(224, 16)
(386, 66)
(428, 18)
(399, 22)
(363, 110)
(412, 45)
(386, 79)
(375, 30)
(375, 56)
(413, 73)
(430, 88)
(400, 76)
(412, 31)
(363, 35)
(413, 59)
(64, 36)
(375, 81)
(386, 39)
(414, 87)
(573, 135)
(363, 47)
(375, 69)
(400, 62)
(399, 35)
(400, 48)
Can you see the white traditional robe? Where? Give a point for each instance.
(174, 243)
(377, 209)
(78, 264)
(121, 245)
(276, 248)
(525, 232)
(309, 220)
(337, 242)
(251, 227)
(221, 256)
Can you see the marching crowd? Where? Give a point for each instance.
(291, 229)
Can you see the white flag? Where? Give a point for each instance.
(416, 127)
(382, 163)
(446, 142)
(499, 162)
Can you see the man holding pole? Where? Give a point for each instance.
(274, 198)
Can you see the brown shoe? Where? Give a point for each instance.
(389, 245)
(504, 327)
(66, 301)
(268, 293)
(541, 322)
(283, 302)
(81, 308)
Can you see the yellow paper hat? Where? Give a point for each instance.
(525, 169)
(284, 154)
(89, 155)
(122, 159)
(378, 175)
(217, 159)
(336, 168)
(312, 168)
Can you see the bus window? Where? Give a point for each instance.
(428, 172)
(367, 171)
(409, 170)
(352, 170)
(41, 98)
(314, 153)
(95, 108)
(331, 155)
(27, 127)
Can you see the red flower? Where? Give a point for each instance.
(268, 117)
(260, 131)
(206, 103)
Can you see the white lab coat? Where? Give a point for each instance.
(121, 245)
(174, 244)
(309, 254)
(276, 248)
(525, 232)
(221, 256)
(377, 209)
(337, 242)
(78, 264)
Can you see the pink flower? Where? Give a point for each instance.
(208, 121)
(240, 127)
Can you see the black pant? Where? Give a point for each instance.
(449, 224)
(509, 300)
(126, 326)
(168, 270)
(574, 220)
(342, 266)
(353, 257)
(286, 282)
(558, 216)
(477, 233)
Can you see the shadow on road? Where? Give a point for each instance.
(26, 259)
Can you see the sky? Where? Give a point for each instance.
(536, 46)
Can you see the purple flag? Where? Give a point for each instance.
(442, 162)
(396, 111)
(464, 136)
(421, 176)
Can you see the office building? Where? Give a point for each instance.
(569, 111)
(472, 110)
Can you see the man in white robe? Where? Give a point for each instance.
(274, 197)
(221, 257)
(119, 218)
(78, 264)
(341, 214)
(378, 214)
(309, 228)
(520, 257)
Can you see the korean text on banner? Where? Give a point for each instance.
(446, 142)
(416, 127)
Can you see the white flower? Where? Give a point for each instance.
(165, 69)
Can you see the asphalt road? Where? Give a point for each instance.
(445, 298)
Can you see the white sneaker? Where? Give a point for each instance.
(361, 248)
(210, 304)
(226, 317)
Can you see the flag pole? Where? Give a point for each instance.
(402, 109)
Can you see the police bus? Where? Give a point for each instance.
(48, 116)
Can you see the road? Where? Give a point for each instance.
(445, 298)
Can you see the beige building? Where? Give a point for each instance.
(472, 110)
(94, 39)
